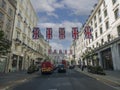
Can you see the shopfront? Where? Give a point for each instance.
(14, 62)
(3, 61)
(107, 61)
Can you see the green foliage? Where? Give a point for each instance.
(4, 44)
(1, 34)
(96, 70)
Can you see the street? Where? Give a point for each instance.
(72, 80)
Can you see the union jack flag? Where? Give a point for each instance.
(88, 32)
(36, 32)
(49, 33)
(74, 32)
(61, 33)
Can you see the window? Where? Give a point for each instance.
(107, 25)
(8, 25)
(102, 41)
(91, 22)
(97, 44)
(10, 11)
(1, 15)
(104, 3)
(99, 12)
(114, 1)
(18, 34)
(100, 19)
(18, 24)
(24, 39)
(95, 18)
(105, 13)
(118, 29)
(116, 13)
(96, 35)
(3, 4)
(95, 25)
(108, 36)
(101, 30)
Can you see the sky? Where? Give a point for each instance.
(62, 13)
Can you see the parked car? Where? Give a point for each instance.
(71, 67)
(61, 68)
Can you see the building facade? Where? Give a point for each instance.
(7, 18)
(105, 23)
(24, 49)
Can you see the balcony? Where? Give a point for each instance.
(24, 45)
(20, 16)
(17, 41)
(25, 22)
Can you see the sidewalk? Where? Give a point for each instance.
(111, 77)
(13, 78)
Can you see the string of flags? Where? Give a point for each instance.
(60, 51)
(49, 33)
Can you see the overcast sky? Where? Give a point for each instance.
(62, 13)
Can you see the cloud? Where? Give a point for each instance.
(78, 7)
(57, 46)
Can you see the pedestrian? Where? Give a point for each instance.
(82, 66)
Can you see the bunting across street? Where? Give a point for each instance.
(61, 33)
(74, 33)
(36, 32)
(49, 33)
(88, 32)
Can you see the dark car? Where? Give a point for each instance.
(61, 68)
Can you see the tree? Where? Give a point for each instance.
(4, 43)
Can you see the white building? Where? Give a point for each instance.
(7, 18)
(24, 49)
(105, 22)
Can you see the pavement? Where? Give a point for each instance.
(111, 77)
(10, 79)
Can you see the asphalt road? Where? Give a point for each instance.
(72, 80)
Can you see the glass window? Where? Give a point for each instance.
(104, 3)
(108, 37)
(118, 29)
(105, 13)
(95, 25)
(10, 11)
(114, 1)
(116, 13)
(100, 19)
(107, 25)
(18, 24)
(1, 15)
(3, 4)
(101, 30)
(102, 41)
(96, 34)
(18, 34)
(95, 18)
(99, 12)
